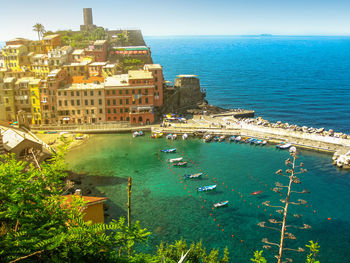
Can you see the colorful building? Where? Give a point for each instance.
(98, 50)
(78, 55)
(51, 42)
(15, 57)
(59, 56)
(40, 65)
(95, 68)
(82, 103)
(157, 73)
(130, 97)
(110, 70)
(8, 93)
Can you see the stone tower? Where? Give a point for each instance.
(88, 24)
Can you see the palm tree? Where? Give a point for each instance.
(40, 29)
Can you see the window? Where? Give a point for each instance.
(127, 101)
(65, 103)
(126, 91)
(85, 93)
(107, 92)
(91, 93)
(140, 91)
(59, 103)
(86, 102)
(100, 101)
(72, 93)
(114, 110)
(140, 101)
(99, 93)
(101, 110)
(65, 93)
(113, 92)
(146, 91)
(78, 111)
(126, 110)
(114, 102)
(133, 91)
(121, 110)
(120, 92)
(120, 101)
(78, 102)
(146, 100)
(92, 102)
(108, 102)
(109, 111)
(92, 111)
(78, 93)
(72, 102)
(73, 112)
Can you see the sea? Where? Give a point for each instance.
(302, 80)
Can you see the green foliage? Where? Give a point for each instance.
(171, 253)
(82, 39)
(314, 249)
(130, 64)
(258, 258)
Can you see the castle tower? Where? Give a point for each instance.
(87, 15)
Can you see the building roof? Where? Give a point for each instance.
(98, 64)
(29, 80)
(110, 66)
(140, 74)
(187, 76)
(100, 42)
(49, 37)
(117, 80)
(90, 200)
(53, 73)
(9, 79)
(153, 66)
(83, 86)
(13, 46)
(12, 138)
(78, 52)
(131, 48)
(77, 64)
(40, 56)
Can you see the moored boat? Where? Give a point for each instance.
(221, 204)
(264, 143)
(184, 136)
(258, 142)
(175, 160)
(174, 137)
(222, 138)
(169, 136)
(238, 138)
(206, 188)
(179, 163)
(283, 145)
(232, 138)
(216, 138)
(137, 133)
(207, 138)
(190, 176)
(156, 135)
(172, 150)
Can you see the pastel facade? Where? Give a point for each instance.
(15, 57)
(82, 103)
(95, 68)
(51, 42)
(98, 50)
(157, 73)
(109, 70)
(8, 93)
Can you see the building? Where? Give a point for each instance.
(78, 55)
(157, 73)
(98, 50)
(82, 103)
(95, 68)
(51, 42)
(8, 93)
(88, 21)
(48, 95)
(59, 56)
(93, 208)
(77, 69)
(130, 97)
(40, 65)
(15, 57)
(110, 70)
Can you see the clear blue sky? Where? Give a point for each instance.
(181, 17)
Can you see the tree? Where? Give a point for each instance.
(258, 257)
(39, 28)
(291, 173)
(36, 226)
(313, 252)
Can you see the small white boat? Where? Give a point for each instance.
(175, 159)
(137, 133)
(264, 143)
(222, 138)
(238, 138)
(284, 145)
(169, 136)
(221, 204)
(174, 137)
(184, 136)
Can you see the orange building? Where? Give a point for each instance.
(130, 97)
(157, 73)
(93, 209)
(98, 50)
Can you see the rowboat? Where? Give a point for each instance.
(283, 145)
(169, 136)
(180, 164)
(256, 193)
(175, 160)
(221, 204)
(232, 138)
(216, 139)
(184, 136)
(264, 143)
(137, 133)
(238, 138)
(190, 176)
(172, 150)
(206, 188)
(174, 137)
(222, 138)
(157, 135)
(258, 142)
(207, 138)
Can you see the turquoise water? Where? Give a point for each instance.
(170, 207)
(295, 79)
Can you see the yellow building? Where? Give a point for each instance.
(8, 93)
(110, 70)
(77, 69)
(34, 85)
(51, 42)
(36, 47)
(40, 65)
(15, 57)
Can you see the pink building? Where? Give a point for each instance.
(98, 50)
(158, 80)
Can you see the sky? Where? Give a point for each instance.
(181, 17)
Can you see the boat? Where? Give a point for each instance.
(207, 138)
(216, 138)
(238, 138)
(156, 135)
(256, 193)
(137, 133)
(264, 143)
(174, 137)
(206, 188)
(180, 164)
(221, 204)
(172, 150)
(190, 176)
(184, 136)
(248, 140)
(252, 141)
(283, 145)
(175, 160)
(258, 142)
(169, 136)
(232, 138)
(222, 138)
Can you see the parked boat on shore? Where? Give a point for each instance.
(206, 188)
(172, 150)
(238, 139)
(216, 138)
(174, 137)
(221, 204)
(169, 136)
(190, 176)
